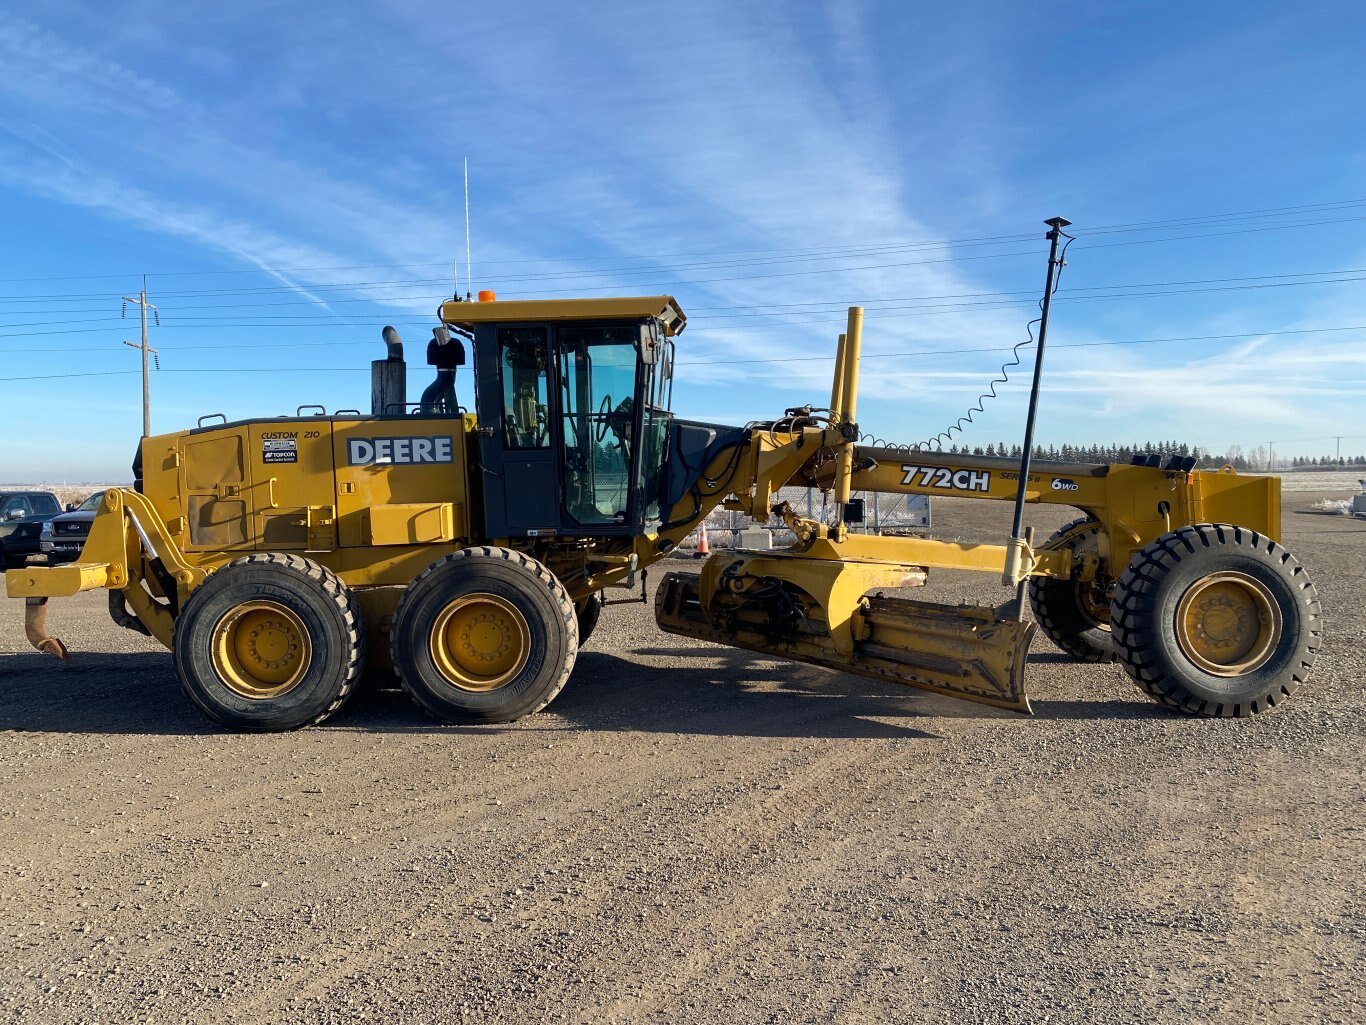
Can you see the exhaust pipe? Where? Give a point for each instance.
(393, 344)
(35, 629)
(389, 378)
(446, 354)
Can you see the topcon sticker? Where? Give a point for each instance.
(280, 450)
(399, 451)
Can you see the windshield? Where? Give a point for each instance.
(91, 504)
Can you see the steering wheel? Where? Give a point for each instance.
(604, 421)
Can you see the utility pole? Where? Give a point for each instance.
(143, 307)
(1271, 459)
(1337, 455)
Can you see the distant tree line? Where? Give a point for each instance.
(1255, 459)
(1326, 462)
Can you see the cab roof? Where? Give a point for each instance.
(663, 307)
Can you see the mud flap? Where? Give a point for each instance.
(964, 652)
(35, 629)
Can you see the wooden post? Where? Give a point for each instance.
(388, 387)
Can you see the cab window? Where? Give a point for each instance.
(523, 353)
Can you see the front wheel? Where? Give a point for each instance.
(484, 635)
(1216, 620)
(1075, 613)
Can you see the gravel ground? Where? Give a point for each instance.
(689, 834)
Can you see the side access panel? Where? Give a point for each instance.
(400, 481)
(215, 482)
(291, 471)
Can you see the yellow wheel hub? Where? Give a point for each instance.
(1094, 603)
(1228, 624)
(1093, 599)
(480, 641)
(261, 649)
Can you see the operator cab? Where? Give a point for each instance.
(573, 406)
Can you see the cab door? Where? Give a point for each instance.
(600, 371)
(518, 441)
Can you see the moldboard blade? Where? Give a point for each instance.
(959, 651)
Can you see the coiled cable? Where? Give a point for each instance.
(937, 441)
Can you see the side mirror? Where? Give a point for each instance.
(648, 344)
(15, 514)
(70, 506)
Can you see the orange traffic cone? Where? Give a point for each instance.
(703, 550)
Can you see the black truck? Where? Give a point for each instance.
(64, 536)
(22, 514)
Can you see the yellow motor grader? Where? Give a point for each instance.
(277, 557)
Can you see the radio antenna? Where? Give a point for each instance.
(469, 263)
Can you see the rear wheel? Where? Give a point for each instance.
(1216, 620)
(269, 642)
(485, 635)
(1075, 614)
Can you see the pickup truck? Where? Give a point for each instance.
(22, 514)
(64, 536)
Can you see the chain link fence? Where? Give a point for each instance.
(882, 514)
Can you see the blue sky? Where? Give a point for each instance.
(291, 181)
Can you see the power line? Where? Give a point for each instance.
(886, 266)
(1002, 303)
(1007, 348)
(544, 276)
(1192, 220)
(762, 310)
(590, 272)
(561, 275)
(170, 350)
(1032, 291)
(197, 370)
(314, 322)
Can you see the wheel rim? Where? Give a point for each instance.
(1092, 596)
(1228, 624)
(261, 649)
(1093, 602)
(480, 641)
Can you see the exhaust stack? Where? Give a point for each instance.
(389, 378)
